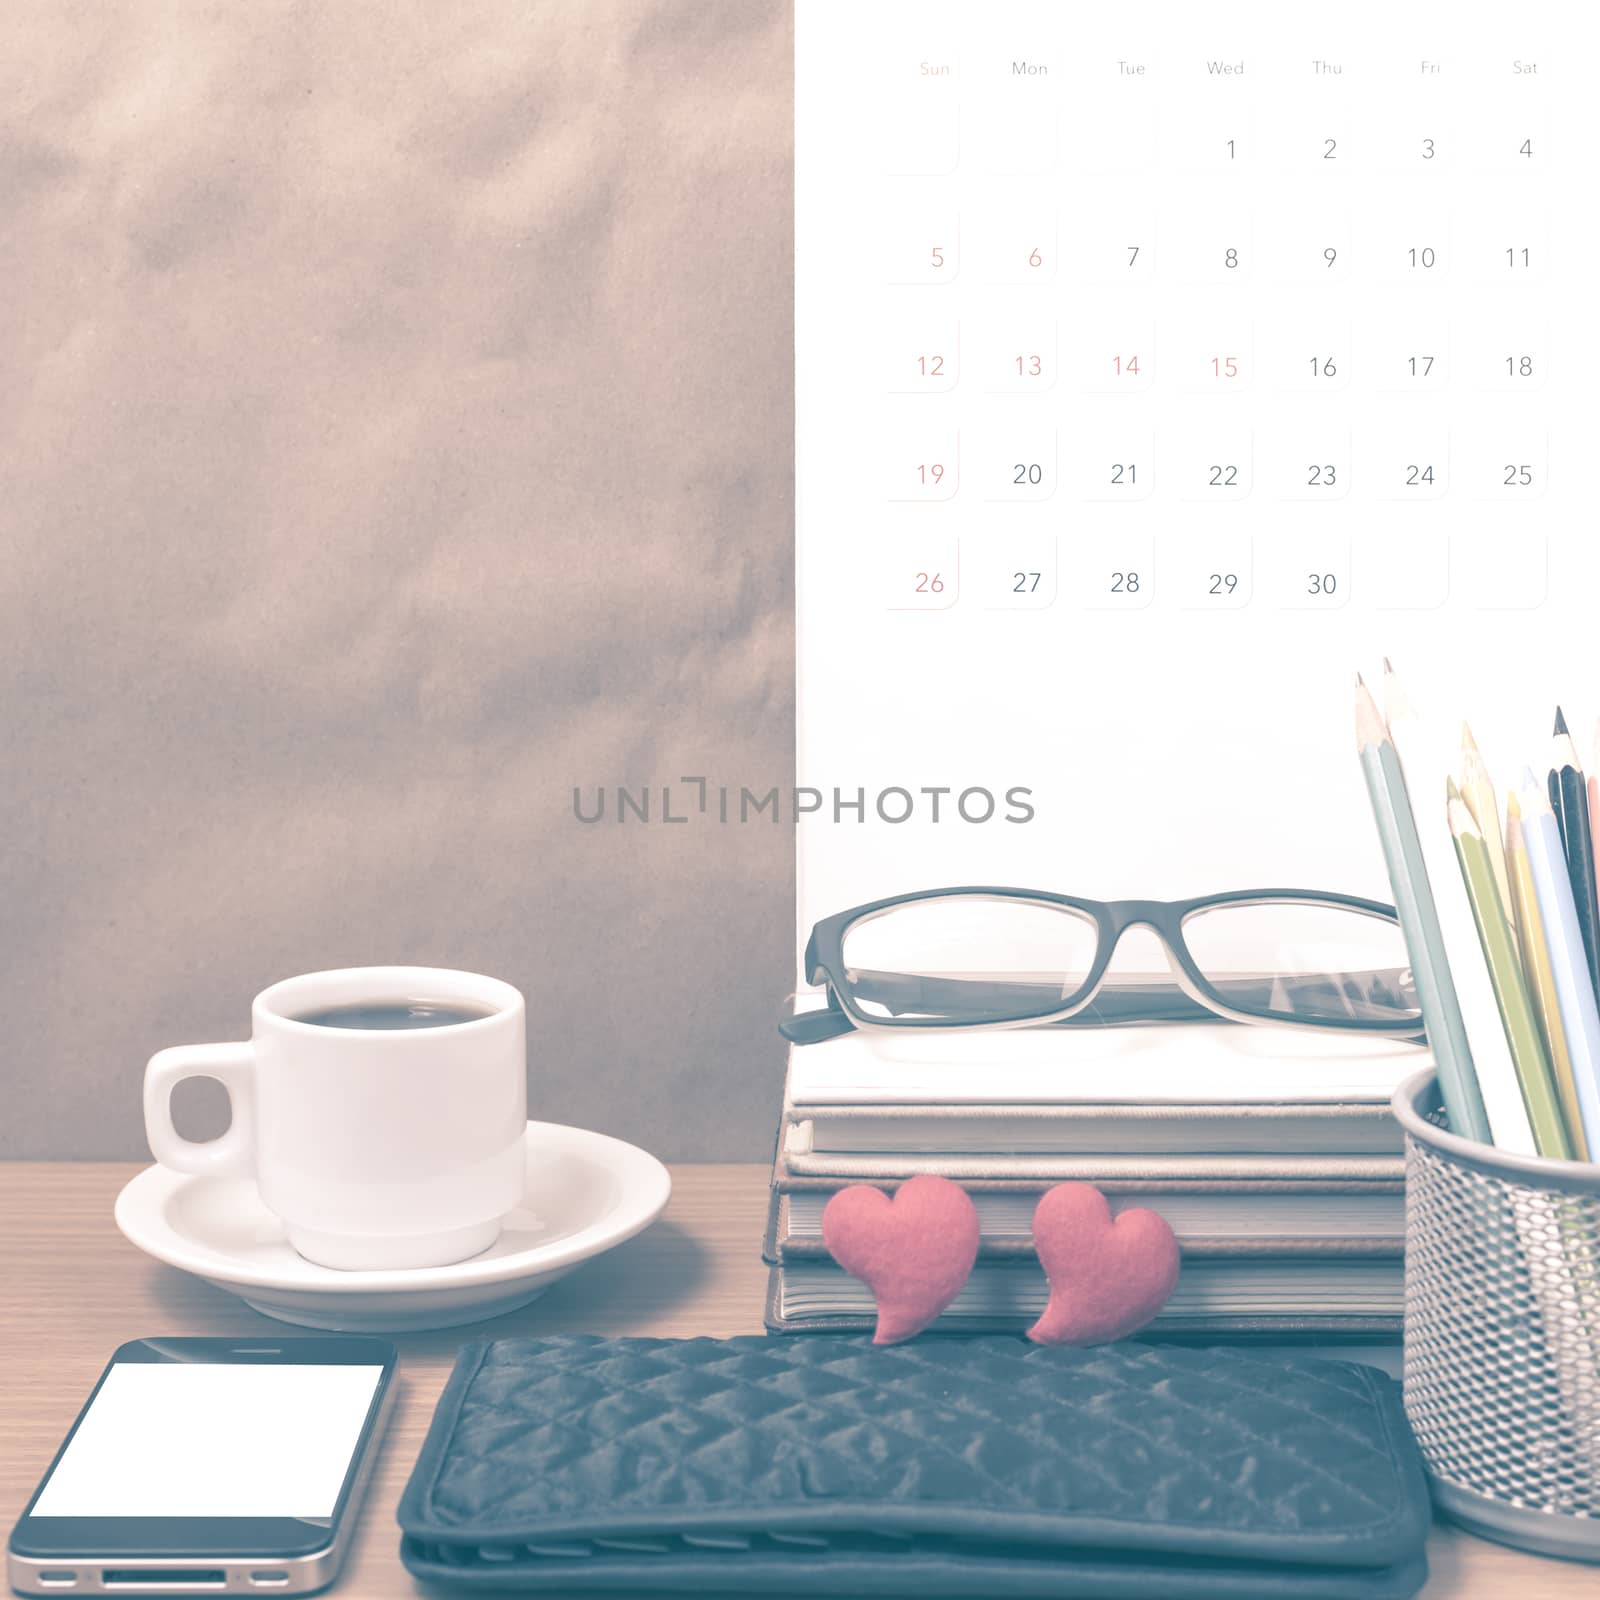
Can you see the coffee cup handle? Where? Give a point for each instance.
(233, 1066)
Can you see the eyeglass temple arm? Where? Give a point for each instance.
(982, 999)
(815, 1027)
(900, 993)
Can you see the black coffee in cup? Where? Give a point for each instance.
(394, 1016)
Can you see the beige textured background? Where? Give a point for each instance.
(395, 431)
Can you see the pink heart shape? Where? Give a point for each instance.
(913, 1251)
(1107, 1278)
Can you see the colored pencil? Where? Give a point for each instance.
(1558, 912)
(1419, 922)
(1478, 792)
(1541, 980)
(1510, 987)
(1425, 769)
(1569, 800)
(1594, 807)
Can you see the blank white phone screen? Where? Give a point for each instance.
(213, 1440)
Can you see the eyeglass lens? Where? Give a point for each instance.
(1311, 963)
(965, 958)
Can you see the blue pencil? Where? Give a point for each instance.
(1419, 923)
(1569, 962)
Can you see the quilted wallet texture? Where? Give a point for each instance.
(942, 1467)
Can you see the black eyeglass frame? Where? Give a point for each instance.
(1195, 998)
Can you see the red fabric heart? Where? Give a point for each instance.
(1106, 1278)
(913, 1251)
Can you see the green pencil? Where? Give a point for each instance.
(1510, 986)
(1419, 921)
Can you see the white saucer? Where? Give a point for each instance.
(586, 1192)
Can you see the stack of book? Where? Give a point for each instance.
(1271, 1152)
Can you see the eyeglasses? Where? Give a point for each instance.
(1009, 958)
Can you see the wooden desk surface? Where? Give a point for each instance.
(72, 1289)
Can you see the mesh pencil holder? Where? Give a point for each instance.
(1502, 1331)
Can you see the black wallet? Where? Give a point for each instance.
(985, 1466)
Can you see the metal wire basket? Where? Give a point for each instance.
(1502, 1354)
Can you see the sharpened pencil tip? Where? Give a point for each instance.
(1451, 792)
(1462, 823)
(1369, 723)
(1561, 722)
(1467, 741)
(1388, 665)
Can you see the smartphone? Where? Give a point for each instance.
(231, 1466)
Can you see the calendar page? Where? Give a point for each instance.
(1157, 367)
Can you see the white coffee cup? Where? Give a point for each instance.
(376, 1147)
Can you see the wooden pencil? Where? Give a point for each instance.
(1558, 912)
(1541, 980)
(1478, 792)
(1594, 807)
(1510, 987)
(1425, 768)
(1419, 921)
(1569, 801)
